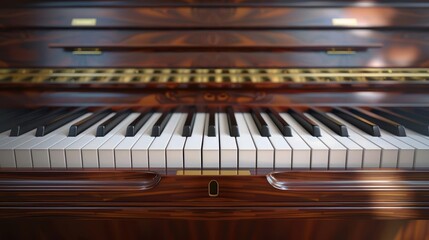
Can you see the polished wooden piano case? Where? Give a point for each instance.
(41, 39)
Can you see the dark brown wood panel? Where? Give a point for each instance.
(215, 48)
(215, 98)
(240, 197)
(59, 58)
(224, 18)
(212, 3)
(65, 228)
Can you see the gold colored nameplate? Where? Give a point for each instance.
(213, 172)
(344, 22)
(340, 51)
(84, 22)
(87, 51)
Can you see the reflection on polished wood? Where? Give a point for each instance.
(237, 17)
(390, 195)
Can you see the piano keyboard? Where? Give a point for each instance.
(311, 138)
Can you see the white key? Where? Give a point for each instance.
(157, 153)
(211, 146)
(421, 156)
(417, 136)
(123, 154)
(406, 152)
(4, 137)
(106, 152)
(194, 143)
(57, 152)
(319, 151)
(7, 153)
(175, 146)
(264, 149)
(23, 152)
(354, 151)
(389, 153)
(371, 152)
(40, 152)
(337, 152)
(227, 144)
(246, 147)
(140, 150)
(301, 152)
(90, 157)
(9, 161)
(282, 150)
(74, 151)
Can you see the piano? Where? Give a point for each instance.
(203, 119)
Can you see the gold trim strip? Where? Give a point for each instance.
(340, 52)
(89, 51)
(346, 22)
(84, 22)
(194, 172)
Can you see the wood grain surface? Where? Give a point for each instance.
(179, 197)
(182, 17)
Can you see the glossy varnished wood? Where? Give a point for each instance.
(74, 181)
(179, 197)
(211, 3)
(214, 48)
(212, 98)
(357, 229)
(183, 17)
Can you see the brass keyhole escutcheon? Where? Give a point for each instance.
(213, 188)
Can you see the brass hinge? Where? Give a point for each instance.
(344, 22)
(87, 51)
(213, 172)
(84, 22)
(334, 51)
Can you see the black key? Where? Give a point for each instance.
(260, 123)
(55, 123)
(420, 110)
(361, 123)
(281, 124)
(86, 123)
(336, 126)
(189, 123)
(421, 117)
(112, 122)
(34, 123)
(307, 123)
(211, 129)
(138, 123)
(8, 114)
(386, 124)
(31, 115)
(160, 124)
(6, 110)
(232, 122)
(407, 122)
